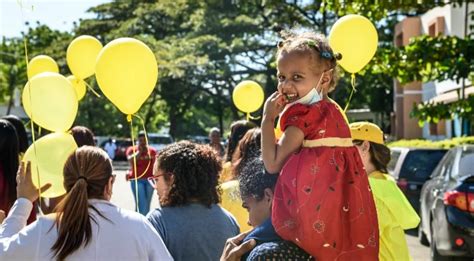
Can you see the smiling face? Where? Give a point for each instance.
(296, 76)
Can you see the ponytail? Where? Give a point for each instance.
(73, 222)
(86, 173)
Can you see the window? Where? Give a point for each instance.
(419, 164)
(466, 162)
(395, 155)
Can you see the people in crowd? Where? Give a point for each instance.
(110, 148)
(247, 149)
(190, 221)
(256, 190)
(237, 131)
(395, 214)
(83, 136)
(215, 141)
(20, 131)
(321, 201)
(87, 226)
(144, 157)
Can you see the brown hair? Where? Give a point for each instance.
(86, 173)
(83, 136)
(379, 155)
(248, 149)
(237, 131)
(195, 169)
(316, 45)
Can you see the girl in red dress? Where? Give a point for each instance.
(323, 201)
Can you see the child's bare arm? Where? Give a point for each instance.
(275, 155)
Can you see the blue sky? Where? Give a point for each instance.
(56, 14)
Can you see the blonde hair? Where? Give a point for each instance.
(317, 46)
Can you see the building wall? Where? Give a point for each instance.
(406, 95)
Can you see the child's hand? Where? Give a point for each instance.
(274, 105)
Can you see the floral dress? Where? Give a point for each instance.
(323, 201)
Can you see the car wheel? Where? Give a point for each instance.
(422, 237)
(435, 256)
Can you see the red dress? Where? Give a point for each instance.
(323, 201)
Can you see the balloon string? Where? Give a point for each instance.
(92, 89)
(248, 116)
(33, 136)
(353, 82)
(129, 119)
(148, 151)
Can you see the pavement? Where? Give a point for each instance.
(122, 196)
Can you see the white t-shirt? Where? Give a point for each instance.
(110, 148)
(126, 235)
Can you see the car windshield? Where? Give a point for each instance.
(419, 164)
(159, 140)
(466, 162)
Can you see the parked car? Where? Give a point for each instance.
(411, 168)
(122, 145)
(159, 141)
(447, 206)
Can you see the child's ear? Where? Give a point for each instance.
(326, 78)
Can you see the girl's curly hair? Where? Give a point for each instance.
(316, 47)
(195, 168)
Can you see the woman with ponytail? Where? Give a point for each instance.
(86, 226)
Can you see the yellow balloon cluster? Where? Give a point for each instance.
(355, 37)
(40, 64)
(50, 101)
(126, 72)
(248, 96)
(48, 155)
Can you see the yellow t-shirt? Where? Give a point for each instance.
(232, 202)
(395, 214)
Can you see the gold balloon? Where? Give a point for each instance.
(50, 101)
(248, 96)
(81, 55)
(48, 155)
(126, 72)
(355, 37)
(79, 86)
(40, 64)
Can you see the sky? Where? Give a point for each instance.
(57, 14)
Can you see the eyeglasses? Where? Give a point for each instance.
(153, 180)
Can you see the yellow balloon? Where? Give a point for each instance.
(248, 96)
(79, 86)
(126, 72)
(81, 55)
(50, 101)
(41, 63)
(355, 37)
(48, 155)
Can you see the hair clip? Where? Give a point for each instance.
(326, 54)
(311, 43)
(280, 44)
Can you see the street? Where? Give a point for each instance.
(122, 196)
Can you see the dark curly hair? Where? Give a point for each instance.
(248, 149)
(253, 179)
(195, 168)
